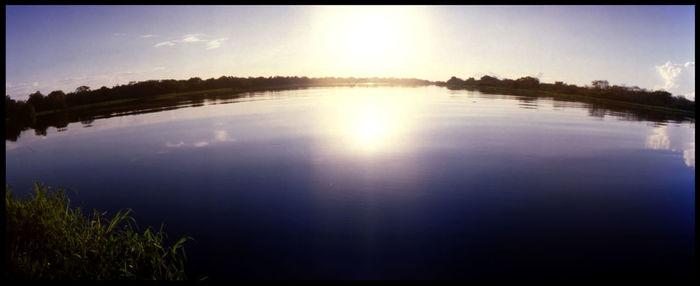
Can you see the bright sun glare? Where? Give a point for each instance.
(367, 41)
(371, 125)
(369, 120)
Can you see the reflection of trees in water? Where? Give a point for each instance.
(631, 114)
(13, 129)
(60, 120)
(598, 110)
(87, 122)
(527, 102)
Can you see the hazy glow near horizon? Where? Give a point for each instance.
(63, 47)
(368, 42)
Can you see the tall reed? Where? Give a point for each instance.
(47, 239)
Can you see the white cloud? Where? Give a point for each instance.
(679, 79)
(215, 43)
(201, 144)
(175, 145)
(147, 36)
(35, 84)
(191, 38)
(166, 43)
(195, 38)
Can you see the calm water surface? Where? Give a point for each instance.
(388, 182)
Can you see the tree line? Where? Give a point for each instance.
(57, 108)
(83, 95)
(597, 89)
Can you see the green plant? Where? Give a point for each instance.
(47, 239)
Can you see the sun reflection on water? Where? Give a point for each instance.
(371, 126)
(372, 120)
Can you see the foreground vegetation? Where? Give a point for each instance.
(600, 91)
(47, 239)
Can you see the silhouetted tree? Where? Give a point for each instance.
(57, 99)
(82, 89)
(600, 84)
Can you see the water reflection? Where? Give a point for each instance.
(528, 102)
(218, 136)
(61, 120)
(689, 155)
(378, 182)
(660, 139)
(369, 121)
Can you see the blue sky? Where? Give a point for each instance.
(62, 47)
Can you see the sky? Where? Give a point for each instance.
(62, 47)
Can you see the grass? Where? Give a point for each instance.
(47, 239)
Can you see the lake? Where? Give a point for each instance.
(387, 183)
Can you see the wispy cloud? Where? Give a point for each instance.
(679, 79)
(191, 38)
(166, 43)
(147, 36)
(215, 43)
(175, 145)
(68, 84)
(210, 42)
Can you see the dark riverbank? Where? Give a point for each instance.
(58, 109)
(600, 92)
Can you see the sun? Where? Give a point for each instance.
(369, 41)
(370, 37)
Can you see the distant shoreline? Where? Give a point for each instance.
(580, 98)
(59, 109)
